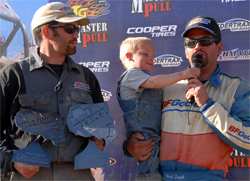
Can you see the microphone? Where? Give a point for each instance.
(197, 62)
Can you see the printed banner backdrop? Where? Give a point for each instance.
(163, 21)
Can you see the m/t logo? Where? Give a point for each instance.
(148, 6)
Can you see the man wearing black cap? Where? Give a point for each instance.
(40, 90)
(198, 138)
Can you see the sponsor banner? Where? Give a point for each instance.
(93, 33)
(148, 6)
(235, 54)
(111, 21)
(154, 31)
(90, 9)
(106, 95)
(96, 32)
(99, 66)
(168, 60)
(239, 160)
(236, 24)
(228, 1)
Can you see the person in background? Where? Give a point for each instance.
(197, 139)
(140, 97)
(47, 81)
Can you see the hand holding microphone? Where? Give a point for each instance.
(197, 62)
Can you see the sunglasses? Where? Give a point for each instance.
(70, 29)
(191, 43)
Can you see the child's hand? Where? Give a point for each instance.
(191, 73)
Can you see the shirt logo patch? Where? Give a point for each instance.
(79, 85)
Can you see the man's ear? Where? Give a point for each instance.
(185, 52)
(129, 56)
(219, 48)
(46, 32)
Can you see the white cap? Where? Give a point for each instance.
(56, 11)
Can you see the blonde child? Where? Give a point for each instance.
(140, 97)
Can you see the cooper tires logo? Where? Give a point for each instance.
(156, 31)
(102, 66)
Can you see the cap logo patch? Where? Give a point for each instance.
(65, 8)
(199, 20)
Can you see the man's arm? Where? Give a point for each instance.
(9, 86)
(139, 149)
(232, 126)
(5, 152)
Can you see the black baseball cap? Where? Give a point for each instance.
(207, 23)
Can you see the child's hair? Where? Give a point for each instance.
(131, 45)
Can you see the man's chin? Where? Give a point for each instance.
(72, 51)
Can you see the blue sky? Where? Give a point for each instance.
(25, 9)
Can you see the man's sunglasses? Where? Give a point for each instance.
(70, 29)
(191, 43)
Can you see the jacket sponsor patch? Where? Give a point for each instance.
(240, 133)
(79, 85)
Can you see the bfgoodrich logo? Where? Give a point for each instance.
(168, 60)
(236, 24)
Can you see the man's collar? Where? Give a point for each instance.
(37, 62)
(72, 64)
(215, 80)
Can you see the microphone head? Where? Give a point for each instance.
(197, 61)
